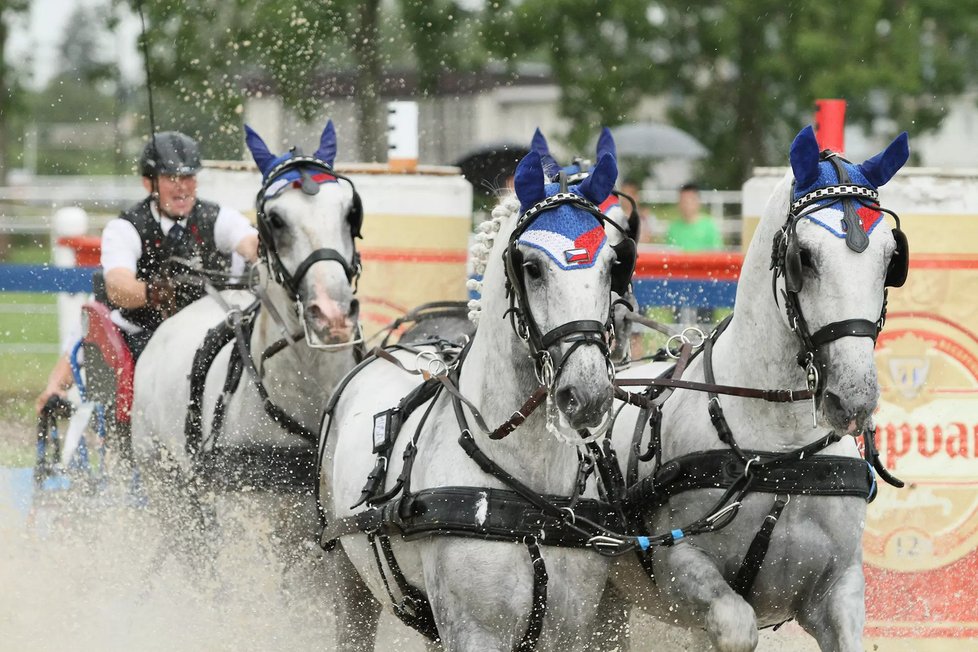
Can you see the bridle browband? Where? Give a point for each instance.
(354, 219)
(786, 262)
(577, 333)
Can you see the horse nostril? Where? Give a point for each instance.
(316, 313)
(568, 400)
(354, 309)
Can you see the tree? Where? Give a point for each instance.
(604, 55)
(207, 52)
(747, 72)
(12, 99)
(742, 75)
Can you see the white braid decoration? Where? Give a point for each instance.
(485, 239)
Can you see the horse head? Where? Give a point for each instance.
(308, 217)
(621, 228)
(551, 270)
(833, 258)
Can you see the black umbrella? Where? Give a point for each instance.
(488, 167)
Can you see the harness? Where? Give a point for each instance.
(514, 514)
(298, 467)
(739, 471)
(262, 466)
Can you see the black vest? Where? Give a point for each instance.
(196, 242)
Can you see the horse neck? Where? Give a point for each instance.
(299, 377)
(759, 350)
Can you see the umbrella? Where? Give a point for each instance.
(656, 140)
(488, 167)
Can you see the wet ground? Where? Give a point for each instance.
(96, 572)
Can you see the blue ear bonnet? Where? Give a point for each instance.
(571, 237)
(827, 176)
(268, 162)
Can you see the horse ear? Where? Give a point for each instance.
(528, 181)
(327, 145)
(539, 143)
(601, 181)
(881, 168)
(540, 146)
(258, 148)
(606, 144)
(804, 157)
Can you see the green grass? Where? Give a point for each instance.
(24, 374)
(33, 250)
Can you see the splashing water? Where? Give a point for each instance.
(84, 575)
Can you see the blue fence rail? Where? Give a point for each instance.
(712, 293)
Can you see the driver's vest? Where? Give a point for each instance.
(196, 243)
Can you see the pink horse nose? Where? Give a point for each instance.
(326, 313)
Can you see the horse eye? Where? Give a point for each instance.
(532, 269)
(275, 219)
(806, 258)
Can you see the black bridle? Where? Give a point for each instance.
(576, 333)
(267, 223)
(786, 261)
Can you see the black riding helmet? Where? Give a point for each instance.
(170, 153)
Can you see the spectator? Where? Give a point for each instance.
(693, 231)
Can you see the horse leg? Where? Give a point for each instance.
(611, 624)
(836, 619)
(357, 611)
(692, 576)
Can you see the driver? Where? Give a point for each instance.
(170, 222)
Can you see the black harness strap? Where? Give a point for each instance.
(754, 558)
(231, 381)
(478, 513)
(215, 340)
(413, 609)
(797, 472)
(277, 414)
(539, 605)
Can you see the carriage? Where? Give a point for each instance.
(102, 368)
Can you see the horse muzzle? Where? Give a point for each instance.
(330, 323)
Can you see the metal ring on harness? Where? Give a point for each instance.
(697, 332)
(545, 370)
(671, 351)
(434, 365)
(747, 466)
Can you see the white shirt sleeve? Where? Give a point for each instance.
(230, 228)
(121, 246)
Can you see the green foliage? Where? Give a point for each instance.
(747, 73)
(209, 53)
(742, 75)
(604, 55)
(11, 90)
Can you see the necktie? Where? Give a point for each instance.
(175, 234)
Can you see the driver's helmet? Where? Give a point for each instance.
(170, 153)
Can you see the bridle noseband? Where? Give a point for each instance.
(576, 333)
(786, 261)
(266, 224)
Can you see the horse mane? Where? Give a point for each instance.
(485, 238)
